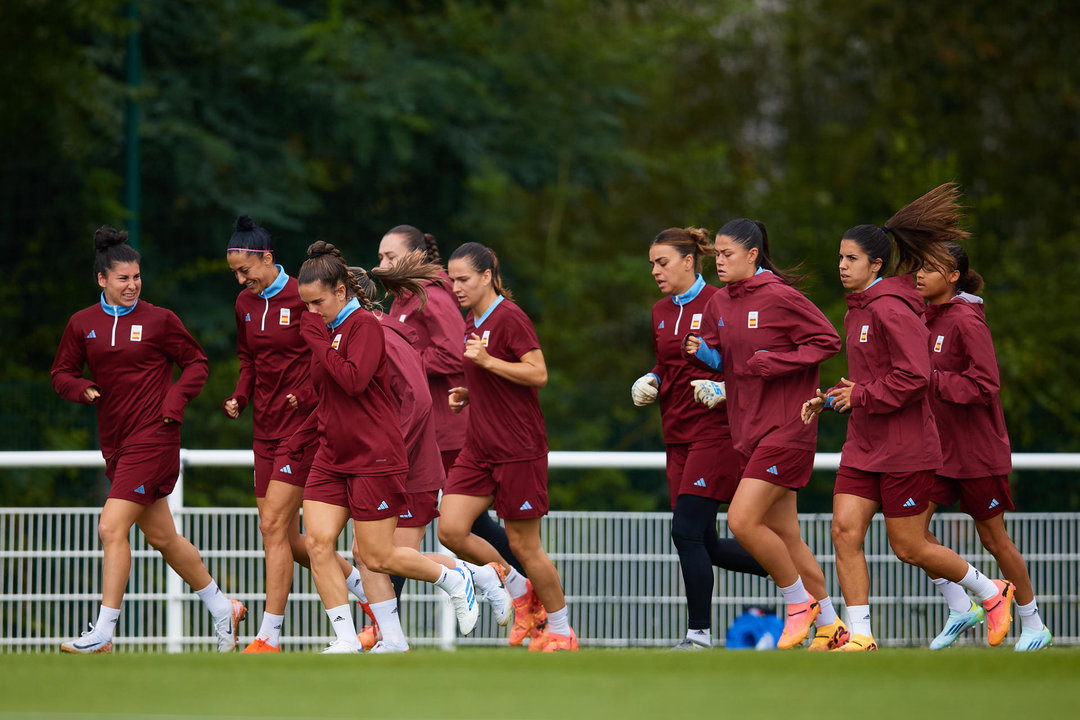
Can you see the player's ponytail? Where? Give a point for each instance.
(408, 275)
(417, 241)
(111, 247)
(482, 259)
(691, 241)
(969, 280)
(752, 234)
(326, 265)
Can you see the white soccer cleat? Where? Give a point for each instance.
(464, 602)
(709, 392)
(491, 587)
(384, 647)
(89, 643)
(955, 626)
(340, 647)
(228, 626)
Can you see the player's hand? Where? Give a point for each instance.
(841, 396)
(167, 420)
(91, 394)
(459, 398)
(232, 408)
(313, 329)
(813, 407)
(292, 400)
(475, 350)
(709, 392)
(691, 344)
(644, 390)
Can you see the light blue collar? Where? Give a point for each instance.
(482, 318)
(872, 284)
(115, 310)
(761, 270)
(277, 286)
(690, 294)
(350, 307)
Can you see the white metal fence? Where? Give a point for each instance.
(619, 570)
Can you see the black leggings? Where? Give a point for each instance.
(693, 530)
(486, 528)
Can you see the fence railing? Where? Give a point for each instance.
(619, 570)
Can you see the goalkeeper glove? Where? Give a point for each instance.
(709, 392)
(644, 390)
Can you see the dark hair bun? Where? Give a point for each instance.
(106, 237)
(321, 247)
(244, 223)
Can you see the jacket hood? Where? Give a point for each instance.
(901, 287)
(962, 302)
(399, 327)
(741, 288)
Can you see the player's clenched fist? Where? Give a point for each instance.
(644, 390)
(475, 350)
(459, 398)
(709, 392)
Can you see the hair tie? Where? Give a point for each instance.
(312, 256)
(885, 229)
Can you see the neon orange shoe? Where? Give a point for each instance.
(800, 616)
(538, 612)
(858, 643)
(538, 643)
(830, 637)
(524, 618)
(258, 645)
(369, 634)
(999, 613)
(555, 643)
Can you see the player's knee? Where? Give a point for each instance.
(741, 525)
(452, 535)
(994, 542)
(318, 545)
(376, 559)
(909, 551)
(272, 527)
(844, 535)
(111, 532)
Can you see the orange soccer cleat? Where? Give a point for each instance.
(556, 643)
(530, 618)
(858, 643)
(830, 637)
(800, 617)
(258, 645)
(999, 612)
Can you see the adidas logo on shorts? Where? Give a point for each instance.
(383, 506)
(700, 482)
(287, 470)
(525, 506)
(993, 504)
(773, 471)
(407, 515)
(141, 489)
(909, 503)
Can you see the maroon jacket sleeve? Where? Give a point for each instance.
(68, 365)
(980, 381)
(353, 370)
(815, 338)
(245, 384)
(657, 369)
(303, 436)
(182, 349)
(909, 364)
(445, 355)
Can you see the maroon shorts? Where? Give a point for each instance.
(422, 508)
(519, 488)
(448, 458)
(981, 498)
(272, 463)
(368, 497)
(705, 468)
(146, 473)
(781, 466)
(899, 494)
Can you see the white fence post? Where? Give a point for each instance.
(174, 585)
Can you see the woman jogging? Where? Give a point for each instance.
(439, 327)
(702, 467)
(892, 449)
(505, 455)
(131, 347)
(275, 378)
(361, 463)
(976, 457)
(769, 340)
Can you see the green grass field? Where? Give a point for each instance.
(509, 683)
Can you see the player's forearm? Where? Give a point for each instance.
(521, 373)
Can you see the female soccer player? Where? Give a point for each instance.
(361, 463)
(769, 341)
(505, 455)
(976, 457)
(275, 377)
(131, 347)
(892, 448)
(440, 327)
(702, 467)
(426, 475)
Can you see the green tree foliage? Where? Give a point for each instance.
(564, 134)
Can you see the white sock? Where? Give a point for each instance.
(341, 620)
(559, 621)
(107, 617)
(515, 583)
(386, 614)
(859, 620)
(1029, 616)
(356, 586)
(980, 585)
(954, 594)
(216, 602)
(450, 581)
(701, 637)
(827, 616)
(270, 630)
(484, 576)
(795, 593)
